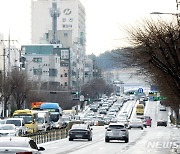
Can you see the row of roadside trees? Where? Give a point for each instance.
(156, 50)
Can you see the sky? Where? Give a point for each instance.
(106, 20)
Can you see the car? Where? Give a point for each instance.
(102, 111)
(8, 130)
(162, 108)
(19, 145)
(124, 120)
(135, 123)
(80, 131)
(116, 131)
(162, 122)
(19, 123)
(146, 120)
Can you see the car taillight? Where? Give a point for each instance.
(24, 153)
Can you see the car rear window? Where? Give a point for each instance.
(116, 126)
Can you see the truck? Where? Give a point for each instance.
(36, 105)
(44, 121)
(55, 113)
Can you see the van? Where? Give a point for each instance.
(140, 109)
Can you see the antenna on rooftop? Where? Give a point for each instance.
(54, 12)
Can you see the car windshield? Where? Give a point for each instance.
(6, 127)
(15, 122)
(40, 120)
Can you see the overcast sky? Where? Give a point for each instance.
(105, 20)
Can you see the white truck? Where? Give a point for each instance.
(44, 122)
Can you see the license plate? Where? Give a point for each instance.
(79, 136)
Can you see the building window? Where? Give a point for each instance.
(70, 19)
(37, 71)
(65, 75)
(66, 34)
(52, 72)
(37, 60)
(61, 75)
(64, 20)
(65, 83)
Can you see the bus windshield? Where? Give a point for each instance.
(28, 119)
(54, 117)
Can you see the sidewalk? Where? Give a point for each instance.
(175, 139)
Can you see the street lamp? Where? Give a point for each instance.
(175, 14)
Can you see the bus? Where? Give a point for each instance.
(55, 113)
(30, 119)
(139, 109)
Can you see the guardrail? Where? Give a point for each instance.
(51, 135)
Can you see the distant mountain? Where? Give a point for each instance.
(114, 59)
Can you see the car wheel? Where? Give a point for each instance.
(141, 128)
(126, 140)
(90, 139)
(70, 139)
(106, 140)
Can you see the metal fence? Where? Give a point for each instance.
(52, 135)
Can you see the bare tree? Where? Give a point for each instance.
(157, 52)
(21, 87)
(95, 88)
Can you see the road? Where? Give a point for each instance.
(154, 140)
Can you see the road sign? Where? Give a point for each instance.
(140, 90)
(81, 98)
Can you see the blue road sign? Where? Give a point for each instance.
(140, 90)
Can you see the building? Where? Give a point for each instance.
(48, 65)
(68, 31)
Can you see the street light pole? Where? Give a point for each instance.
(174, 14)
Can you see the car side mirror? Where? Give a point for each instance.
(41, 149)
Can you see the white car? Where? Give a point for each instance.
(8, 130)
(19, 123)
(19, 145)
(135, 123)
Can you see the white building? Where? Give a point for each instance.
(72, 18)
(70, 31)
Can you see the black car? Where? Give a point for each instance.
(162, 123)
(80, 131)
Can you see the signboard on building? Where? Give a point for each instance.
(81, 98)
(64, 54)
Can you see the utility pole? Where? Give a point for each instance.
(9, 54)
(178, 15)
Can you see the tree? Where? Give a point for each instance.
(95, 88)
(21, 87)
(157, 51)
